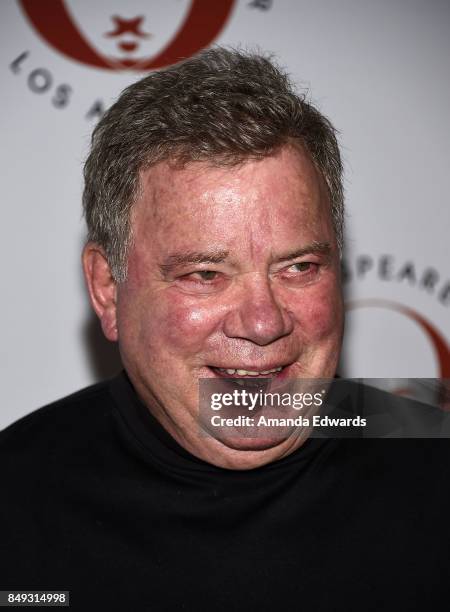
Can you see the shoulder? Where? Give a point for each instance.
(46, 435)
(389, 415)
(400, 435)
(52, 463)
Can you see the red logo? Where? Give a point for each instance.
(436, 340)
(202, 23)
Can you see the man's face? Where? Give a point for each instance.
(231, 268)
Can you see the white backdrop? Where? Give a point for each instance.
(379, 70)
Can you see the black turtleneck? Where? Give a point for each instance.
(98, 499)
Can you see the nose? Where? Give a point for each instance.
(258, 314)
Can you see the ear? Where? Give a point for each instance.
(102, 288)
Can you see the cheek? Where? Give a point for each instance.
(319, 313)
(163, 322)
(188, 323)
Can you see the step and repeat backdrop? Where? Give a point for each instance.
(378, 70)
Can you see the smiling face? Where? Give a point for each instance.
(233, 268)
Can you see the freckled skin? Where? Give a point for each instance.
(256, 311)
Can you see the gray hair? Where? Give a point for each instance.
(222, 106)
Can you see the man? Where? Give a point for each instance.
(214, 208)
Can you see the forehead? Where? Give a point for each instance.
(264, 199)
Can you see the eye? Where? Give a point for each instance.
(205, 275)
(300, 272)
(202, 281)
(303, 266)
(200, 277)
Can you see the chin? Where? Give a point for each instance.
(253, 444)
(252, 453)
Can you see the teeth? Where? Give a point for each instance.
(240, 372)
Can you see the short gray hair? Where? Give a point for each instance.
(222, 106)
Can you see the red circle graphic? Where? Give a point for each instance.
(436, 339)
(202, 24)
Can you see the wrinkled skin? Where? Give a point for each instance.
(258, 305)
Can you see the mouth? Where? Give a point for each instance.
(252, 372)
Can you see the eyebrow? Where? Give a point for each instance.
(174, 260)
(315, 248)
